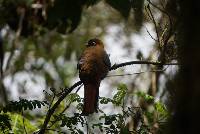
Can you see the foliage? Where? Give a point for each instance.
(117, 98)
(113, 123)
(71, 122)
(23, 104)
(62, 15)
(145, 96)
(12, 111)
(108, 123)
(4, 122)
(20, 124)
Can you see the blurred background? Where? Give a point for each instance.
(42, 40)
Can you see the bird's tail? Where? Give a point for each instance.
(91, 96)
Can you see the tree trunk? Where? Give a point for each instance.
(186, 113)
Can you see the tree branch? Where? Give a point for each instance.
(53, 108)
(136, 73)
(155, 24)
(68, 90)
(115, 66)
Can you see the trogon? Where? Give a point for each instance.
(93, 66)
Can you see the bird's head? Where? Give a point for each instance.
(95, 42)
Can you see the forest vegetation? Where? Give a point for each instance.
(152, 86)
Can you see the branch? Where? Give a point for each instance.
(115, 66)
(155, 24)
(170, 31)
(136, 73)
(53, 108)
(53, 122)
(151, 35)
(149, 1)
(68, 90)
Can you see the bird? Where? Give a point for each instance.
(93, 66)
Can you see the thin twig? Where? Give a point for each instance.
(151, 35)
(162, 3)
(87, 127)
(149, 1)
(170, 30)
(154, 22)
(79, 88)
(134, 73)
(23, 122)
(169, 17)
(52, 100)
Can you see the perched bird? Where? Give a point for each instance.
(93, 66)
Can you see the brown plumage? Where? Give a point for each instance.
(93, 66)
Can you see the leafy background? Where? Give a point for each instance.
(41, 41)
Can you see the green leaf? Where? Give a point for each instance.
(74, 97)
(23, 104)
(34, 104)
(30, 106)
(161, 109)
(119, 96)
(145, 96)
(104, 100)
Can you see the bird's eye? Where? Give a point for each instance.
(91, 43)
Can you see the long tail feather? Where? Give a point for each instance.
(91, 95)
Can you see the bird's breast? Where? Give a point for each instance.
(92, 64)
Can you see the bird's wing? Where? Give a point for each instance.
(106, 60)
